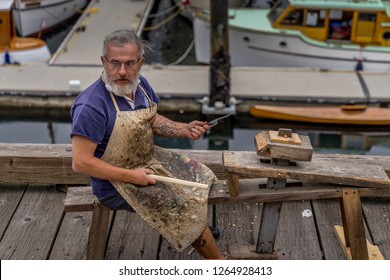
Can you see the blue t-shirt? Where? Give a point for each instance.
(93, 116)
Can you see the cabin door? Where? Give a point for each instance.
(365, 27)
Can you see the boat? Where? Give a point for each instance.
(340, 115)
(321, 34)
(33, 17)
(18, 50)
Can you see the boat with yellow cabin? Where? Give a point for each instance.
(324, 34)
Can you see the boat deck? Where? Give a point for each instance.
(35, 226)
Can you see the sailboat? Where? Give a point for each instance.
(14, 49)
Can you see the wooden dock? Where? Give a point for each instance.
(34, 178)
(77, 64)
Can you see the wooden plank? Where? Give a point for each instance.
(327, 215)
(373, 251)
(79, 199)
(233, 183)
(32, 229)
(377, 214)
(319, 171)
(10, 197)
(352, 217)
(72, 238)
(98, 232)
(37, 157)
(269, 220)
(131, 238)
(239, 225)
(297, 235)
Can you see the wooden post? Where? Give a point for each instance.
(98, 232)
(220, 59)
(353, 223)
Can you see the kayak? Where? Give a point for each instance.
(345, 114)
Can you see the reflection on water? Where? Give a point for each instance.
(234, 138)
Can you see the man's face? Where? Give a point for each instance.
(122, 66)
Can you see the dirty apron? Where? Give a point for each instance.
(178, 213)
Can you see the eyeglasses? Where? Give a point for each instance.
(117, 65)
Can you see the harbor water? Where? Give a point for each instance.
(171, 44)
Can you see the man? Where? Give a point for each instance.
(113, 123)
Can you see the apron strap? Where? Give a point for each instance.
(114, 101)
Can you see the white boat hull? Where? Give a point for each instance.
(256, 48)
(28, 56)
(46, 15)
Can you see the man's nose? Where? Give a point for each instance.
(122, 69)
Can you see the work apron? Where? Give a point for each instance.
(178, 213)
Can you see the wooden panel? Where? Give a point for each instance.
(10, 197)
(58, 156)
(352, 217)
(327, 215)
(377, 214)
(297, 235)
(238, 223)
(79, 199)
(132, 239)
(34, 225)
(316, 170)
(72, 238)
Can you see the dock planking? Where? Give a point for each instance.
(35, 226)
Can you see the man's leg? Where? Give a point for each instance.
(206, 245)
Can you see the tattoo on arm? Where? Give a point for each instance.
(164, 127)
(199, 242)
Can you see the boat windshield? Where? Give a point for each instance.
(277, 10)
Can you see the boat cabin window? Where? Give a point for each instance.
(315, 18)
(295, 17)
(277, 10)
(340, 24)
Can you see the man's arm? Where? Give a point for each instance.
(165, 127)
(84, 161)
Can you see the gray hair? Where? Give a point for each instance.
(124, 36)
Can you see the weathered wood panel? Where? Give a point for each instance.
(38, 163)
(238, 223)
(377, 214)
(72, 238)
(33, 160)
(327, 215)
(132, 239)
(361, 175)
(10, 197)
(297, 235)
(33, 227)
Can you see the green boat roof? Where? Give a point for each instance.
(342, 4)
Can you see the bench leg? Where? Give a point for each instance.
(269, 220)
(233, 183)
(98, 232)
(351, 213)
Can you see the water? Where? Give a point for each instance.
(169, 43)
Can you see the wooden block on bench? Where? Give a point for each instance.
(79, 199)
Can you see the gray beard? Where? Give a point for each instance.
(120, 90)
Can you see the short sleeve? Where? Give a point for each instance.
(88, 122)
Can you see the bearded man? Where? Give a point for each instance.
(113, 123)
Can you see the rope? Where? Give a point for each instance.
(180, 60)
(171, 8)
(171, 17)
